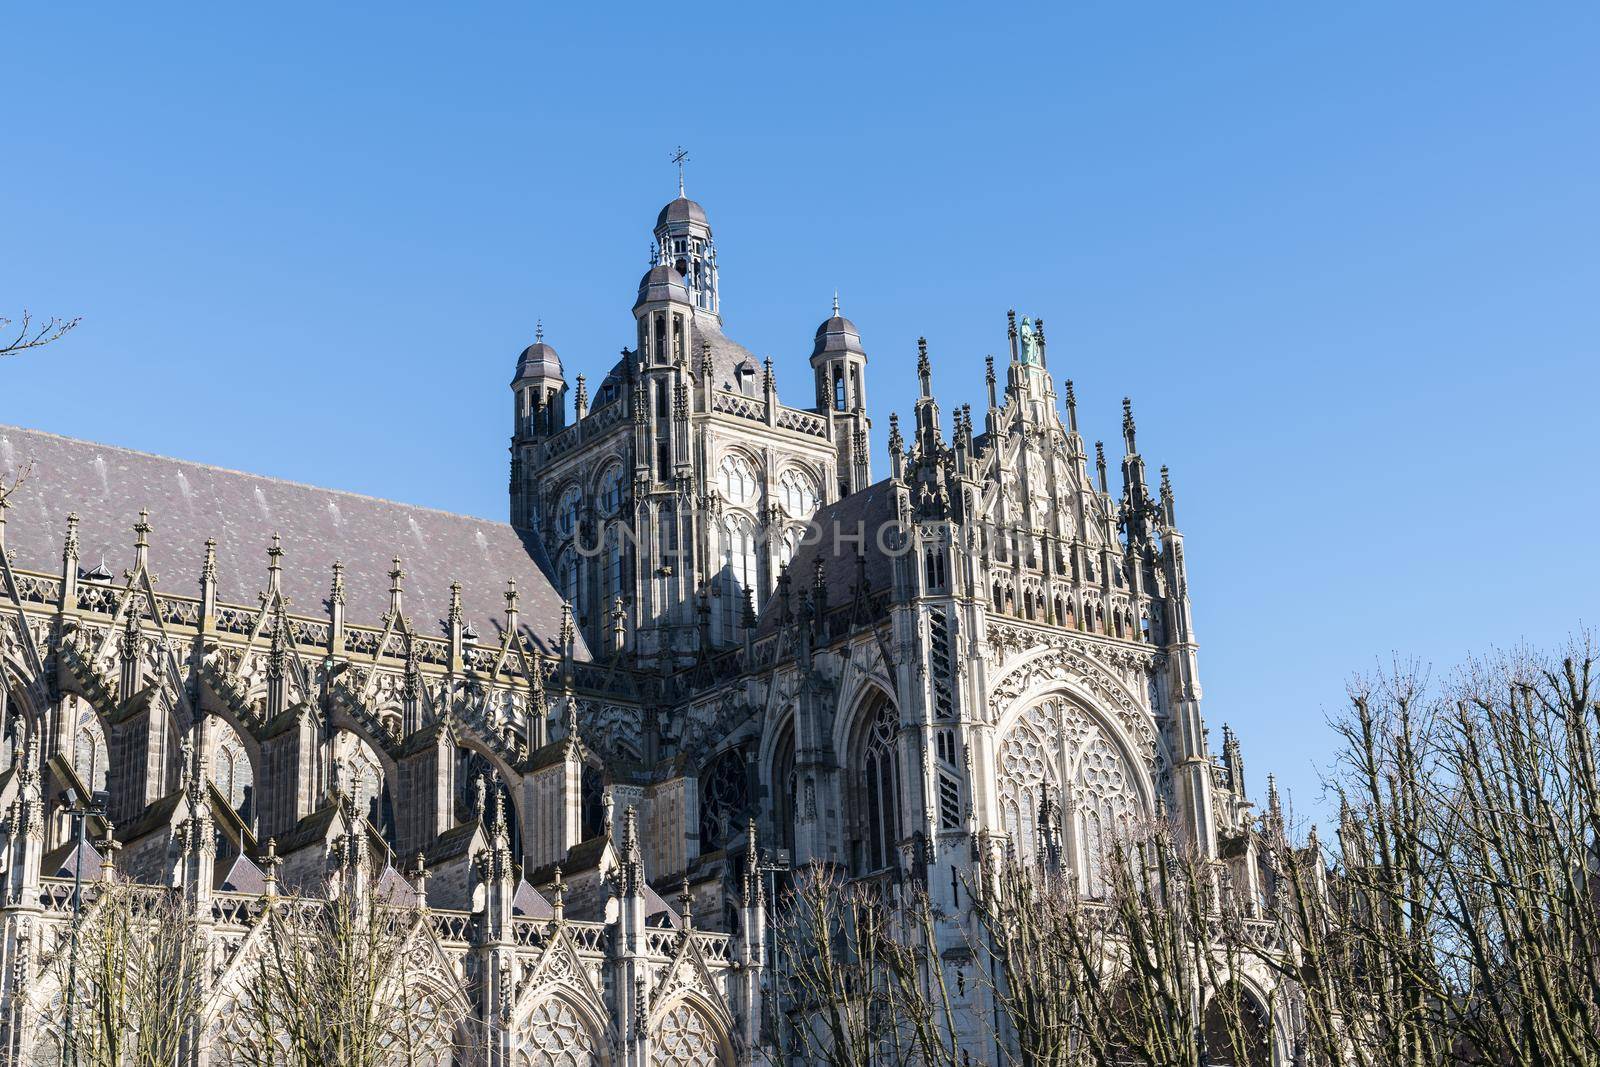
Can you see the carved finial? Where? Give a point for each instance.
(538, 331)
(275, 553)
(69, 551)
(680, 156)
(454, 616)
(686, 904)
(511, 598)
(208, 566)
(1128, 428)
(988, 370)
(568, 631)
(558, 894)
(897, 443)
(1100, 463)
(1011, 323)
(336, 592)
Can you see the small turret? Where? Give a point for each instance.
(839, 363)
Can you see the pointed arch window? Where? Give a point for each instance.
(797, 493)
(736, 478)
(880, 771)
(737, 576)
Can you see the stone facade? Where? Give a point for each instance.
(705, 631)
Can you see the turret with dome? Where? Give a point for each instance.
(689, 453)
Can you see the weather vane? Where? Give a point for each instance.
(680, 156)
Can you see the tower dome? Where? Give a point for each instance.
(682, 210)
(837, 334)
(538, 360)
(659, 283)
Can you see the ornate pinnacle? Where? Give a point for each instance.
(208, 568)
(1011, 323)
(568, 631)
(396, 575)
(706, 366)
(686, 904)
(511, 598)
(558, 893)
(1072, 397)
(274, 557)
(924, 372)
(1100, 462)
(896, 442)
(988, 370)
(1128, 428)
(453, 618)
(69, 551)
(141, 529)
(336, 594)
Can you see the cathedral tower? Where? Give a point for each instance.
(539, 391)
(840, 365)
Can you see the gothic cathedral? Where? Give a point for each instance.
(707, 643)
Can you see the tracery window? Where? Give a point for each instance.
(554, 1036)
(737, 574)
(611, 568)
(797, 493)
(684, 1039)
(724, 801)
(89, 751)
(880, 768)
(567, 510)
(1051, 743)
(736, 479)
(567, 576)
(1029, 774)
(611, 489)
(230, 768)
(1245, 1043)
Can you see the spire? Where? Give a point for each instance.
(274, 563)
(396, 576)
(680, 156)
(141, 541)
(836, 303)
(1128, 428)
(924, 371)
(1072, 408)
(1166, 496)
(1100, 464)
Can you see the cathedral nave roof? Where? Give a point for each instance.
(188, 502)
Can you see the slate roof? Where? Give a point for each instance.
(681, 210)
(863, 513)
(189, 502)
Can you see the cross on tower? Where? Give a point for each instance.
(680, 156)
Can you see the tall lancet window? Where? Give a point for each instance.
(880, 771)
(737, 575)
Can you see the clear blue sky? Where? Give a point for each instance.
(1343, 257)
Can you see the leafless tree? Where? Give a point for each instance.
(333, 987)
(1456, 918)
(30, 334)
(862, 974)
(139, 978)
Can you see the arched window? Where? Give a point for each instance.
(736, 479)
(880, 771)
(684, 1038)
(1237, 1031)
(737, 575)
(567, 571)
(89, 751)
(611, 569)
(611, 489)
(784, 788)
(1029, 758)
(567, 510)
(724, 802)
(1105, 804)
(838, 389)
(230, 768)
(554, 1036)
(797, 493)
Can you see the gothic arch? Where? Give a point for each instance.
(559, 1029)
(688, 1031)
(869, 746)
(1060, 762)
